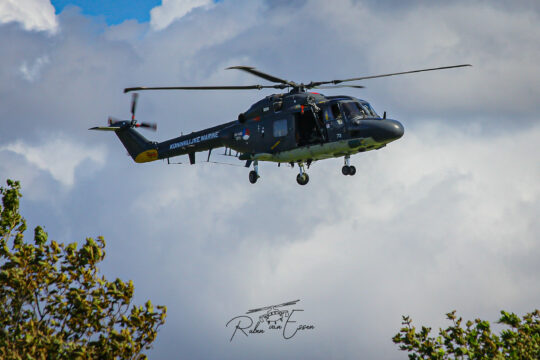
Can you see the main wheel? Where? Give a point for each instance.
(253, 177)
(352, 170)
(346, 170)
(302, 179)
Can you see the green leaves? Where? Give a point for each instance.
(40, 236)
(475, 341)
(54, 304)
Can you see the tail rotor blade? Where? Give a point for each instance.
(134, 98)
(149, 126)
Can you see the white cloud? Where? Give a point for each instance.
(31, 72)
(59, 157)
(32, 14)
(171, 10)
(436, 221)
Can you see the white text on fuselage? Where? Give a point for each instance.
(194, 140)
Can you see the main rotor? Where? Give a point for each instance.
(284, 84)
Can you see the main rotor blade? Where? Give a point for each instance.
(247, 87)
(265, 76)
(317, 83)
(339, 86)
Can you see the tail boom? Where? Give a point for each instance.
(142, 150)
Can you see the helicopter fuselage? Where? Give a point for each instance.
(291, 128)
(297, 127)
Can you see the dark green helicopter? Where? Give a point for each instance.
(297, 127)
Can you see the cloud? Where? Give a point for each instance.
(32, 72)
(444, 218)
(172, 10)
(428, 224)
(32, 14)
(60, 157)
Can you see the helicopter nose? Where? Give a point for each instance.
(395, 129)
(381, 130)
(389, 130)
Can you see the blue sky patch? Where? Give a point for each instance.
(115, 12)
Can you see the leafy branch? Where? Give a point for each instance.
(54, 304)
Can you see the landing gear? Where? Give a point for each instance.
(348, 169)
(254, 174)
(302, 178)
(253, 177)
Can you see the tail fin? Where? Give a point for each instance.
(139, 148)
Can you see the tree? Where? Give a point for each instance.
(476, 341)
(54, 304)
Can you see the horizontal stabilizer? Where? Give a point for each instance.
(106, 128)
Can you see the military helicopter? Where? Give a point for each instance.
(296, 127)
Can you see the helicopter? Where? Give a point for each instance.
(293, 127)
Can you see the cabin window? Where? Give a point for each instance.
(280, 128)
(337, 114)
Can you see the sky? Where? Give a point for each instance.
(114, 12)
(445, 218)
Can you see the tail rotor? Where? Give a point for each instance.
(134, 123)
(116, 124)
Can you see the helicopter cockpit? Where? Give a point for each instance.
(355, 111)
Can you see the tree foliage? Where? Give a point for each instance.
(54, 304)
(520, 340)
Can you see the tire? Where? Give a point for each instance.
(346, 170)
(253, 177)
(302, 179)
(352, 170)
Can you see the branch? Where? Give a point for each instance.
(37, 305)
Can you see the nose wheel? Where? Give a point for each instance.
(348, 169)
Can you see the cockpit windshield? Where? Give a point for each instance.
(370, 110)
(355, 111)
